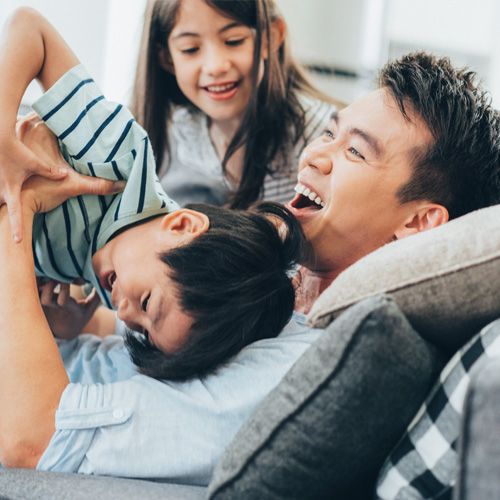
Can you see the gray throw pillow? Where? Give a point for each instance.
(325, 431)
(445, 280)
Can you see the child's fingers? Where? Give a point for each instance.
(63, 294)
(47, 293)
(92, 302)
(83, 184)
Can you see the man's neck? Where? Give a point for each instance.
(310, 285)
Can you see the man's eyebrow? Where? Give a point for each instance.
(227, 27)
(372, 142)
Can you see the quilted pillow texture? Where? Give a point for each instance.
(445, 280)
(325, 431)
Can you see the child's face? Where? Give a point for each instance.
(212, 58)
(141, 290)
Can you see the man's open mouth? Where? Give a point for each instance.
(306, 198)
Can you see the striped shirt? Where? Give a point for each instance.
(101, 139)
(192, 172)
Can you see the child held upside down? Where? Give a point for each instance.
(198, 283)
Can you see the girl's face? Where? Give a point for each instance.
(212, 58)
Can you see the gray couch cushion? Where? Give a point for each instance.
(326, 429)
(445, 280)
(22, 484)
(479, 449)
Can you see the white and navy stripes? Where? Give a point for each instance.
(100, 139)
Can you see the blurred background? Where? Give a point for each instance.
(341, 42)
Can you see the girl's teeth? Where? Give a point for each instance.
(299, 188)
(306, 192)
(312, 196)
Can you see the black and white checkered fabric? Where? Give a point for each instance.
(424, 465)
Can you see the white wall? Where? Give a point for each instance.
(104, 34)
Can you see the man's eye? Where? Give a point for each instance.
(145, 303)
(355, 152)
(192, 50)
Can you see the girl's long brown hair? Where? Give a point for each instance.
(274, 116)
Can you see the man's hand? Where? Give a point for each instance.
(66, 316)
(17, 163)
(45, 194)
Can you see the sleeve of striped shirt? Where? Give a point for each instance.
(98, 138)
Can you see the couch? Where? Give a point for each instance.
(397, 399)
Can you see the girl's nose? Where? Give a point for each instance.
(216, 63)
(318, 156)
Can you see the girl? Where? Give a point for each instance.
(227, 109)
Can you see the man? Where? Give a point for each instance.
(403, 159)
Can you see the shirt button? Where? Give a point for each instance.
(118, 413)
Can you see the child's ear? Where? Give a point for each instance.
(164, 59)
(185, 222)
(277, 34)
(426, 217)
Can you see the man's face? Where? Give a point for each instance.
(355, 170)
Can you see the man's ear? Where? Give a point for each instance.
(428, 216)
(185, 222)
(277, 35)
(164, 59)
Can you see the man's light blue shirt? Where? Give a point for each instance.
(113, 421)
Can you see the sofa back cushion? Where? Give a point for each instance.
(444, 280)
(325, 431)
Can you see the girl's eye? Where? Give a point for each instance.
(192, 50)
(355, 152)
(234, 43)
(145, 303)
(328, 133)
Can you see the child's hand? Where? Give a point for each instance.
(66, 316)
(17, 163)
(47, 194)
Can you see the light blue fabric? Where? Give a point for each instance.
(98, 138)
(113, 421)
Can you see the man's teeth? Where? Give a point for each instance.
(221, 88)
(305, 191)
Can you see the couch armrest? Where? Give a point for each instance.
(23, 484)
(479, 446)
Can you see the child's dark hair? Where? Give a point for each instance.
(235, 281)
(461, 169)
(274, 115)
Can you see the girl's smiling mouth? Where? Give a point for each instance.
(222, 91)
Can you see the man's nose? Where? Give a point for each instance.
(216, 63)
(318, 156)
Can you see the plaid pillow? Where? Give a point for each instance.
(424, 464)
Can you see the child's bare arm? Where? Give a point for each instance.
(30, 48)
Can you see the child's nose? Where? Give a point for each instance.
(216, 62)
(124, 311)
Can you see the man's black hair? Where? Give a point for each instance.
(461, 169)
(234, 281)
